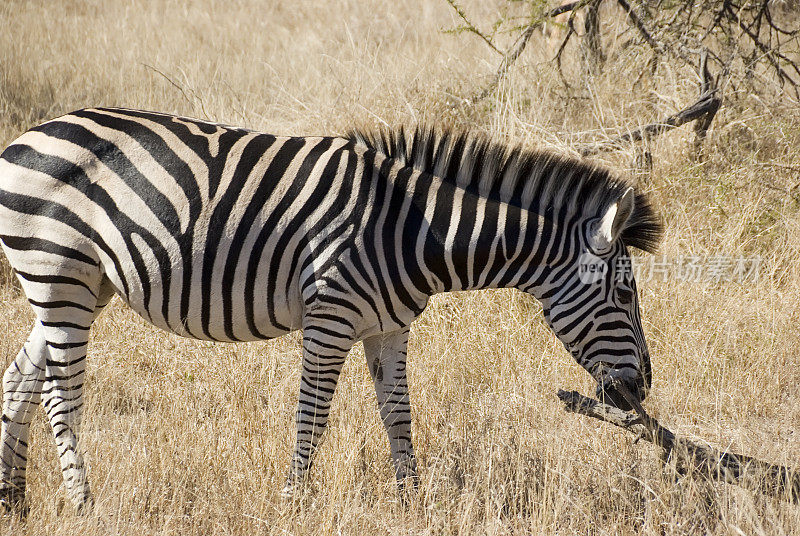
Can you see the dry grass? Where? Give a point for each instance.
(194, 438)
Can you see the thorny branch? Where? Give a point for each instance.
(470, 27)
(772, 54)
(639, 25)
(570, 33)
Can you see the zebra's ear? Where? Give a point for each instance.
(610, 225)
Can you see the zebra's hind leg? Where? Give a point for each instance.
(65, 307)
(62, 396)
(386, 360)
(22, 389)
(66, 324)
(325, 348)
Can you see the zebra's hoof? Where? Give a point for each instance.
(12, 502)
(84, 506)
(288, 492)
(407, 487)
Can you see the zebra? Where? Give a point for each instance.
(227, 234)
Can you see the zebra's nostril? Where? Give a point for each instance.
(608, 393)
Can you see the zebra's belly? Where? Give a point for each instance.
(217, 327)
(210, 304)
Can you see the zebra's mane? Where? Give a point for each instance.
(535, 180)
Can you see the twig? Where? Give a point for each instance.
(172, 82)
(704, 122)
(707, 104)
(776, 480)
(570, 33)
(519, 45)
(469, 27)
(775, 26)
(677, 50)
(637, 22)
(772, 54)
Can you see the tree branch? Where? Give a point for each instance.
(469, 27)
(772, 54)
(707, 105)
(637, 22)
(570, 33)
(519, 45)
(776, 480)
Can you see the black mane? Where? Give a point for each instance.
(535, 180)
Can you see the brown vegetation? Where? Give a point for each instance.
(187, 437)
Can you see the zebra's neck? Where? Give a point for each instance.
(465, 242)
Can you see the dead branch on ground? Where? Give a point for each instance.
(723, 466)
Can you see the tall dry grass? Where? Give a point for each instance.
(186, 437)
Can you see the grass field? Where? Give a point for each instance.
(187, 437)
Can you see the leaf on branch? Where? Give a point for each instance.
(468, 26)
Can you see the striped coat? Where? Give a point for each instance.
(226, 234)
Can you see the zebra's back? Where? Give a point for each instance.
(205, 230)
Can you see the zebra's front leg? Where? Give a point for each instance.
(324, 352)
(386, 359)
(22, 390)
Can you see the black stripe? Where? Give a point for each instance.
(64, 377)
(433, 251)
(54, 279)
(465, 225)
(381, 195)
(272, 176)
(66, 345)
(254, 150)
(110, 154)
(581, 335)
(486, 238)
(154, 144)
(180, 171)
(412, 227)
(75, 176)
(580, 318)
(512, 235)
(391, 233)
(332, 318)
(339, 302)
(346, 248)
(53, 363)
(293, 228)
(56, 304)
(23, 243)
(335, 208)
(69, 325)
(199, 144)
(609, 352)
(35, 206)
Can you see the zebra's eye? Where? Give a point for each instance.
(624, 295)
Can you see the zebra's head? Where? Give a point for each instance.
(592, 303)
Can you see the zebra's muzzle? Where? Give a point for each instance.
(620, 389)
